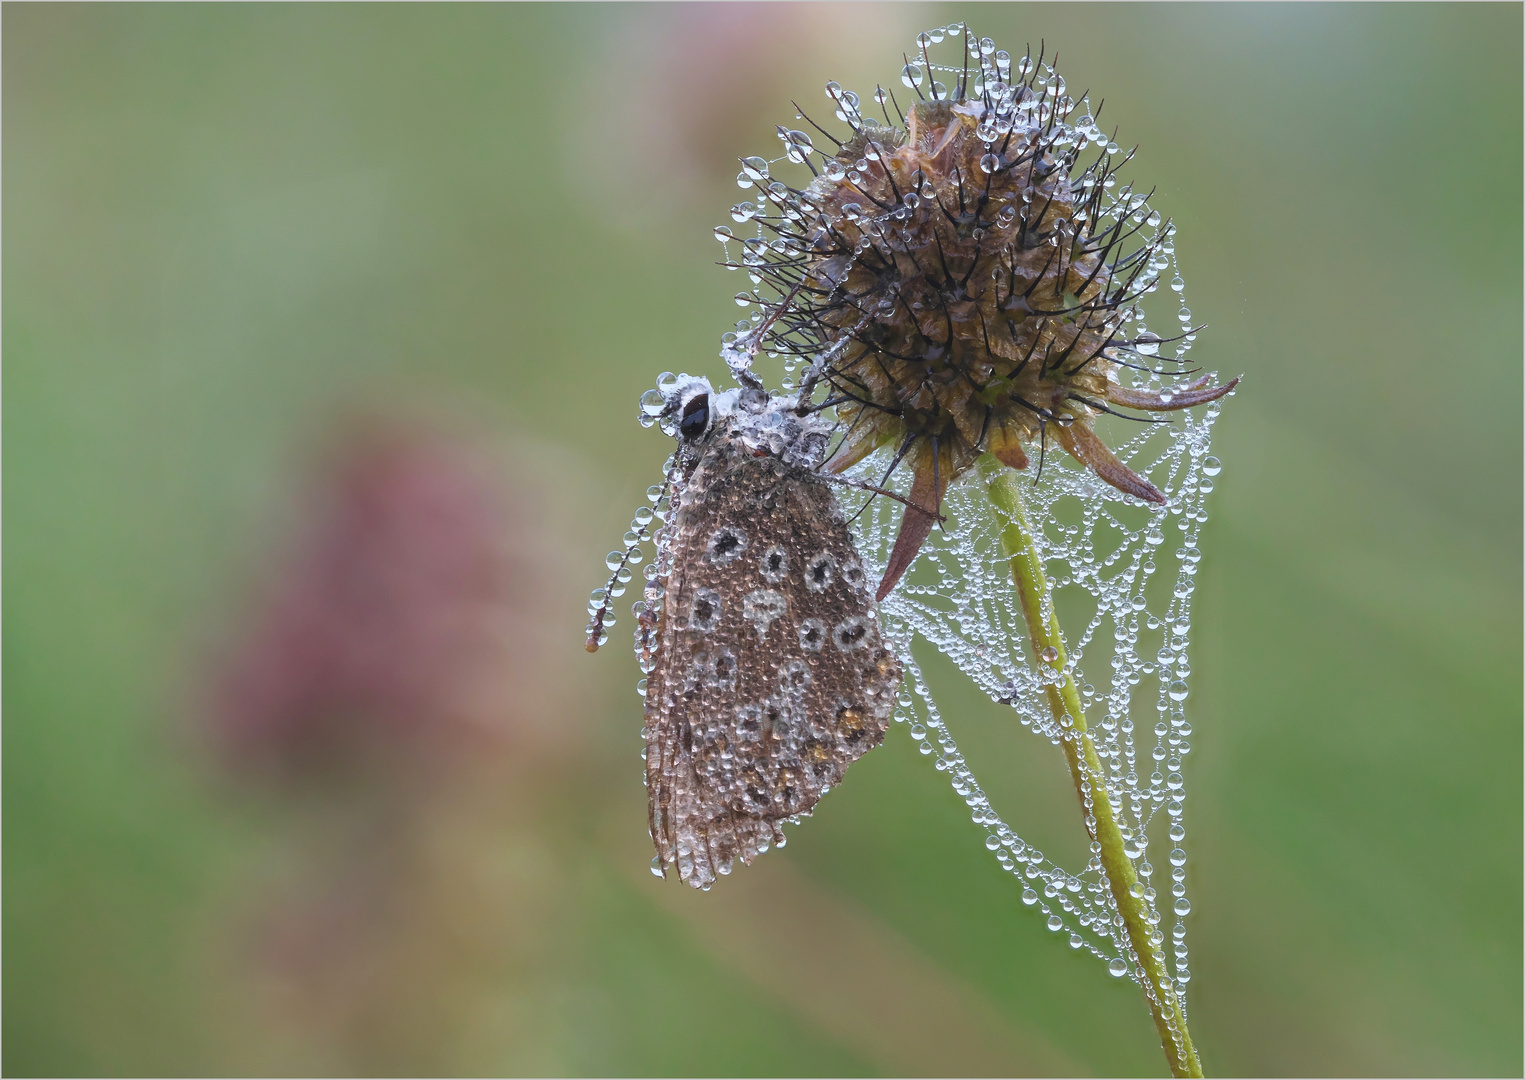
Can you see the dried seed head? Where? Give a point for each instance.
(958, 278)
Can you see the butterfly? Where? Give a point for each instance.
(768, 674)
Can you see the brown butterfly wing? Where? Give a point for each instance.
(770, 674)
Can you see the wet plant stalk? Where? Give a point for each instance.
(1021, 548)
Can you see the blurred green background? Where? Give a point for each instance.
(227, 228)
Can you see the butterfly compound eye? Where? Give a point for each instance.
(696, 416)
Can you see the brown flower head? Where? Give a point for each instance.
(959, 279)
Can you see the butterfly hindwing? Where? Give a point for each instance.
(770, 674)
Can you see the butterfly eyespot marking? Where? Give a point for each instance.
(794, 677)
(819, 572)
(850, 724)
(817, 756)
(851, 633)
(704, 615)
(749, 723)
(723, 670)
(774, 564)
(812, 635)
(761, 607)
(726, 546)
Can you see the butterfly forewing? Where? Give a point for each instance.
(770, 674)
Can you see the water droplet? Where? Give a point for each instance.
(1211, 466)
(1049, 655)
(797, 145)
(990, 162)
(1118, 967)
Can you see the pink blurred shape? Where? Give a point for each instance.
(396, 627)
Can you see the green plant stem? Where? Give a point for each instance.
(1021, 548)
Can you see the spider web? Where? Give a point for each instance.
(1109, 558)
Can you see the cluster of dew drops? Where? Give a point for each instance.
(645, 527)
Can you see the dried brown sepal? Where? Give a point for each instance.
(1195, 393)
(1005, 445)
(1084, 446)
(929, 481)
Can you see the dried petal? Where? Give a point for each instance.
(927, 487)
(1085, 447)
(1195, 393)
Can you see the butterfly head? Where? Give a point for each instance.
(695, 414)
